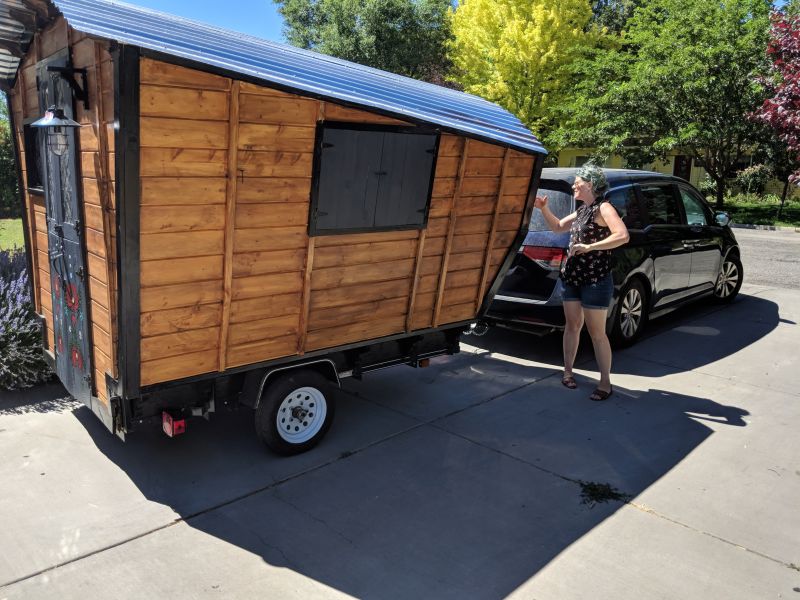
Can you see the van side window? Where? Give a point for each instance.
(697, 213)
(371, 178)
(661, 204)
(627, 206)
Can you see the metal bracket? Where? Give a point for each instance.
(117, 417)
(113, 387)
(68, 74)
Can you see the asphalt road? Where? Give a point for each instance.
(770, 257)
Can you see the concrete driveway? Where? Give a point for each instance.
(464, 480)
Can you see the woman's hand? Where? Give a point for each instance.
(540, 202)
(581, 248)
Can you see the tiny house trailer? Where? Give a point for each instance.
(210, 216)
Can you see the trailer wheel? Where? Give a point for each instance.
(295, 411)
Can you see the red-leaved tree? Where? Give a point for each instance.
(781, 112)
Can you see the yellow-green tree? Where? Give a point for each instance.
(518, 53)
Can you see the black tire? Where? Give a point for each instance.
(729, 280)
(306, 403)
(630, 315)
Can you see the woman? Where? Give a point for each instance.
(595, 229)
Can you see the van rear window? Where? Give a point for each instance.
(560, 203)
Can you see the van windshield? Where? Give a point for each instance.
(560, 203)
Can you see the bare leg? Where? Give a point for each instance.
(573, 314)
(596, 324)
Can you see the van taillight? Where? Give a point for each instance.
(547, 258)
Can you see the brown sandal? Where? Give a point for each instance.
(569, 382)
(599, 395)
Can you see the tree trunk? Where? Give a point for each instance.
(720, 193)
(783, 197)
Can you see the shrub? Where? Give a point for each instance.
(754, 179)
(22, 362)
(743, 198)
(707, 186)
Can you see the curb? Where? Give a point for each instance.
(764, 227)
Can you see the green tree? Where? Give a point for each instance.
(613, 14)
(687, 76)
(401, 36)
(518, 53)
(9, 194)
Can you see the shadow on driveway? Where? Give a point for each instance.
(689, 338)
(49, 397)
(467, 505)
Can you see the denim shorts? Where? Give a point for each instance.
(591, 295)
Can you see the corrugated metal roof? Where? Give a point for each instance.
(298, 69)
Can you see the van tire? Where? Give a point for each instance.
(729, 280)
(630, 315)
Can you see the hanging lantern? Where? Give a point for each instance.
(56, 123)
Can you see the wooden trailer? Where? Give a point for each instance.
(213, 218)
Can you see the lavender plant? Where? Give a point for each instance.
(22, 362)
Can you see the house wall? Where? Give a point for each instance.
(570, 157)
(229, 275)
(96, 142)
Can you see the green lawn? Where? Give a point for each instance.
(760, 213)
(11, 234)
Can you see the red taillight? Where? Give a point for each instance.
(548, 258)
(172, 426)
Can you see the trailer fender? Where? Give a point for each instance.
(256, 380)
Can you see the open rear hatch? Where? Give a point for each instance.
(534, 273)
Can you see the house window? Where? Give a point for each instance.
(581, 160)
(32, 137)
(371, 178)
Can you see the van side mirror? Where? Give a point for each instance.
(722, 218)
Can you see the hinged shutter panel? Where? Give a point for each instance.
(406, 165)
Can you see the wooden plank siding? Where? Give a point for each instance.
(183, 218)
(96, 141)
(270, 242)
(230, 276)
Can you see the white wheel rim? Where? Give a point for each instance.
(631, 313)
(301, 415)
(728, 279)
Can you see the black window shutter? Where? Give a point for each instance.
(371, 178)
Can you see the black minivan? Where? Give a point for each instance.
(679, 250)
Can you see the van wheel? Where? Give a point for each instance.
(295, 411)
(729, 280)
(630, 315)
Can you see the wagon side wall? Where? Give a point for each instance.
(229, 274)
(96, 142)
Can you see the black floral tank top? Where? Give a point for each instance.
(589, 267)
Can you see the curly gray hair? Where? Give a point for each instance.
(594, 175)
